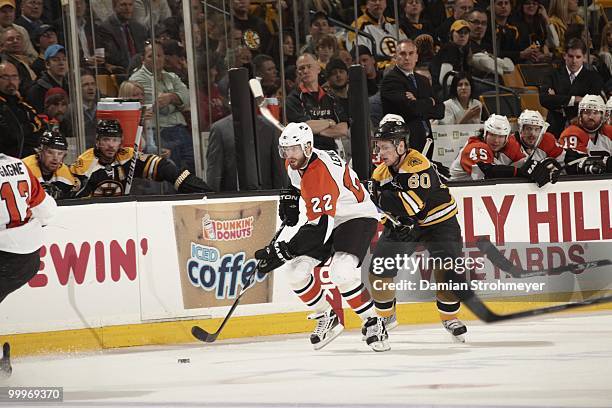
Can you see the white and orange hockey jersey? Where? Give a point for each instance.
(329, 186)
(24, 207)
(575, 138)
(548, 147)
(476, 150)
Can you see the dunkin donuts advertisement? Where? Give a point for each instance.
(216, 244)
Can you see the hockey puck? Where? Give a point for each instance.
(184, 360)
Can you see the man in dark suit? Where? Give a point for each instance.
(563, 89)
(410, 95)
(221, 170)
(121, 36)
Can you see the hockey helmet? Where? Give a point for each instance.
(109, 128)
(498, 125)
(296, 133)
(53, 139)
(533, 118)
(392, 127)
(592, 102)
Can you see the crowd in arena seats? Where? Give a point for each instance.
(434, 75)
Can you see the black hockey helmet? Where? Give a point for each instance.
(53, 139)
(109, 128)
(392, 127)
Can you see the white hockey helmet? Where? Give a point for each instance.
(533, 118)
(594, 102)
(498, 125)
(296, 133)
(391, 117)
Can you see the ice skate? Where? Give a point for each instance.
(390, 324)
(5, 363)
(328, 328)
(456, 328)
(376, 334)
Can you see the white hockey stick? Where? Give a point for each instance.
(130, 177)
(257, 92)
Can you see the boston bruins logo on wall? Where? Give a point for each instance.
(252, 39)
(388, 46)
(108, 188)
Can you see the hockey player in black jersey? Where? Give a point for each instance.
(407, 186)
(103, 170)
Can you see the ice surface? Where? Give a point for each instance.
(559, 361)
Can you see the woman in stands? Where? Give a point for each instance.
(461, 108)
(533, 20)
(563, 13)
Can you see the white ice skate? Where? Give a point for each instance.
(456, 328)
(328, 328)
(390, 324)
(376, 334)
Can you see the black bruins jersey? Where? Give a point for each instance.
(419, 192)
(66, 184)
(104, 180)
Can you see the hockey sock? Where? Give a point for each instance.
(384, 298)
(359, 299)
(313, 295)
(447, 310)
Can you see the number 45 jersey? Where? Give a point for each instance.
(419, 193)
(330, 187)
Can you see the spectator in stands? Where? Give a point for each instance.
(90, 96)
(288, 50)
(311, 104)
(85, 37)
(44, 37)
(327, 48)
(47, 165)
(425, 48)
(255, 34)
(172, 99)
(605, 49)
(511, 42)
(561, 92)
(373, 74)
(479, 21)
(221, 170)
(412, 22)
(7, 20)
(56, 105)
(410, 95)
(121, 36)
(11, 45)
(265, 68)
(150, 12)
(20, 127)
(382, 28)
(435, 12)
(211, 104)
(532, 18)
(461, 108)
(454, 55)
(563, 13)
(54, 76)
(176, 59)
(346, 57)
(319, 25)
(31, 12)
(460, 8)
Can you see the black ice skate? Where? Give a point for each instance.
(5, 363)
(376, 334)
(328, 328)
(456, 328)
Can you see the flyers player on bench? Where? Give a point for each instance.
(497, 155)
(24, 209)
(341, 222)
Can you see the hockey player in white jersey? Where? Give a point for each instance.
(341, 223)
(535, 140)
(24, 208)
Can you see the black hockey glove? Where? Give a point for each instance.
(272, 256)
(53, 190)
(541, 172)
(373, 187)
(595, 165)
(187, 183)
(289, 206)
(406, 231)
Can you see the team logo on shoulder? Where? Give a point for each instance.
(414, 161)
(388, 45)
(108, 188)
(252, 39)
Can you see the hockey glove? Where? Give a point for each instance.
(540, 172)
(373, 187)
(595, 165)
(187, 183)
(53, 190)
(272, 256)
(289, 206)
(406, 231)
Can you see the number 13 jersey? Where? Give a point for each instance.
(330, 187)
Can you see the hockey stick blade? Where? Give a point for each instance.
(206, 337)
(258, 95)
(503, 263)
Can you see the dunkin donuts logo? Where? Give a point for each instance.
(227, 230)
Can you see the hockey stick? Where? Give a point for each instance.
(257, 92)
(130, 177)
(201, 334)
(473, 302)
(503, 263)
